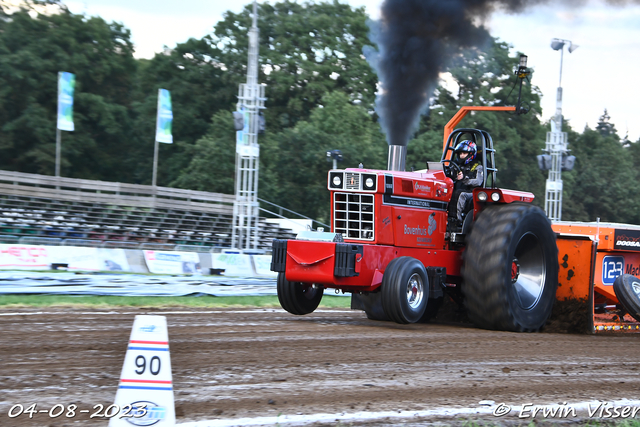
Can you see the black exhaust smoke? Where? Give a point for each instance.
(416, 40)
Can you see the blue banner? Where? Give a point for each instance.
(165, 117)
(66, 86)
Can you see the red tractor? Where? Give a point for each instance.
(394, 247)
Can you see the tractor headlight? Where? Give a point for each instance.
(369, 182)
(336, 180)
(482, 196)
(495, 196)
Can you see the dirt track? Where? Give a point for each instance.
(232, 363)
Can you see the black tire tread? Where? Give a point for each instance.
(486, 299)
(626, 297)
(291, 297)
(391, 299)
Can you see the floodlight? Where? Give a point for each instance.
(238, 120)
(523, 61)
(557, 44)
(572, 47)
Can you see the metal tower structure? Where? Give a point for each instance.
(250, 102)
(556, 146)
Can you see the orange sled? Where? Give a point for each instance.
(599, 264)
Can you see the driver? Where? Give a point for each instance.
(471, 174)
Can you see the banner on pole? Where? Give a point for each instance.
(242, 136)
(66, 86)
(165, 117)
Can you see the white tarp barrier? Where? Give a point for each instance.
(30, 257)
(263, 266)
(161, 262)
(32, 282)
(233, 264)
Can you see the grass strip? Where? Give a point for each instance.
(104, 301)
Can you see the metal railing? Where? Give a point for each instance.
(113, 193)
(281, 209)
(18, 188)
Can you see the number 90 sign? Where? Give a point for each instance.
(154, 365)
(146, 365)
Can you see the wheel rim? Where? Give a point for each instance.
(309, 291)
(636, 288)
(528, 271)
(415, 291)
(515, 270)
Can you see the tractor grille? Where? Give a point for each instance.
(352, 181)
(353, 216)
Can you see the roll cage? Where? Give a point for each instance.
(485, 153)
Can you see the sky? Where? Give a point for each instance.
(599, 74)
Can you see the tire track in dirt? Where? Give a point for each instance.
(248, 363)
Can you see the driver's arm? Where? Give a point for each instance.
(478, 180)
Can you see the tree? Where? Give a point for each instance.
(605, 127)
(198, 90)
(293, 162)
(306, 50)
(294, 166)
(604, 181)
(32, 52)
(212, 162)
(486, 77)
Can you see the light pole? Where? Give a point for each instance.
(336, 156)
(558, 44)
(250, 101)
(556, 146)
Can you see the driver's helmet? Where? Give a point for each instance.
(467, 146)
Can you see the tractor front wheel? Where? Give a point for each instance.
(405, 290)
(627, 289)
(298, 298)
(510, 268)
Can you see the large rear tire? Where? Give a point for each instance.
(627, 289)
(298, 298)
(405, 290)
(510, 269)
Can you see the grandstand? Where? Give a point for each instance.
(47, 210)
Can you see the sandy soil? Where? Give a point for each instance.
(232, 363)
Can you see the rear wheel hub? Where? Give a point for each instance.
(515, 270)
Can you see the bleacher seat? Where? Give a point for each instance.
(34, 210)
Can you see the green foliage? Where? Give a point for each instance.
(294, 164)
(605, 180)
(212, 163)
(320, 93)
(198, 90)
(486, 78)
(306, 50)
(32, 52)
(605, 127)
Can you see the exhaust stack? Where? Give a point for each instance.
(397, 156)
